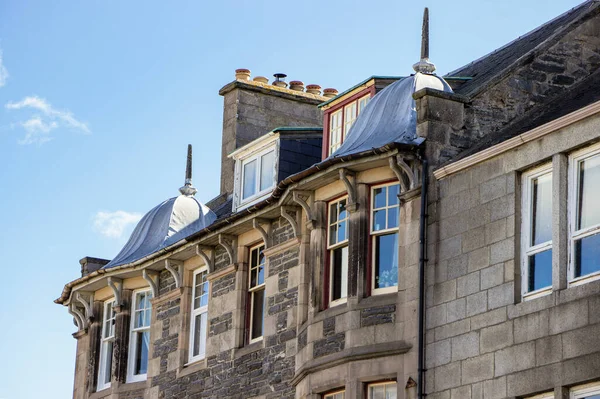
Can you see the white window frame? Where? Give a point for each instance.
(574, 235)
(526, 231)
(134, 334)
(363, 100)
(372, 384)
(338, 244)
(336, 133)
(104, 341)
(375, 233)
(333, 395)
(196, 312)
(258, 158)
(584, 391)
(252, 290)
(351, 108)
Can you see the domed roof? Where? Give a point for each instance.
(390, 116)
(166, 224)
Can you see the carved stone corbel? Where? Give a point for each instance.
(151, 277)
(116, 284)
(87, 304)
(78, 316)
(293, 220)
(303, 198)
(266, 235)
(407, 175)
(176, 269)
(349, 179)
(208, 258)
(226, 241)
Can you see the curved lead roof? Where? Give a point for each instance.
(390, 116)
(167, 223)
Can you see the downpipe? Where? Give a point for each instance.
(422, 263)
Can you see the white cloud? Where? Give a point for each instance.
(3, 71)
(38, 126)
(37, 131)
(114, 224)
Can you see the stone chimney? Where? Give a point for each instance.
(253, 107)
(90, 265)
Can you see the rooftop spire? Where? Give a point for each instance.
(187, 188)
(424, 65)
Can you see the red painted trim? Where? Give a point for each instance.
(326, 277)
(327, 114)
(369, 246)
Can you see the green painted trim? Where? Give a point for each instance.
(357, 85)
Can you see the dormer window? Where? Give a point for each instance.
(341, 121)
(258, 174)
(263, 163)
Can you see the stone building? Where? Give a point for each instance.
(436, 237)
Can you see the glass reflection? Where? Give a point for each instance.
(540, 270)
(587, 255)
(589, 192)
(542, 209)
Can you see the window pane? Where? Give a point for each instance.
(200, 334)
(540, 271)
(267, 170)
(587, 255)
(339, 273)
(332, 234)
(393, 192)
(589, 192)
(386, 260)
(249, 184)
(542, 209)
(342, 213)
(377, 392)
(257, 313)
(139, 319)
(108, 361)
(379, 197)
(342, 232)
(333, 213)
(392, 217)
(141, 352)
(379, 220)
(390, 391)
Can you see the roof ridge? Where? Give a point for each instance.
(522, 37)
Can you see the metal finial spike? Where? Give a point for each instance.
(188, 166)
(424, 65)
(187, 188)
(425, 35)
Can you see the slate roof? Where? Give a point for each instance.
(485, 69)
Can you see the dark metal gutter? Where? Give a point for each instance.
(422, 264)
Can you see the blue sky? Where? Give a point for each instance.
(98, 100)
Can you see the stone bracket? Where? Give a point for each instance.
(285, 212)
(302, 198)
(87, 303)
(78, 316)
(208, 258)
(349, 179)
(176, 269)
(151, 276)
(226, 241)
(407, 175)
(116, 284)
(266, 235)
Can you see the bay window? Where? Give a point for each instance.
(384, 238)
(536, 259)
(337, 245)
(107, 342)
(256, 293)
(199, 316)
(585, 215)
(382, 390)
(139, 342)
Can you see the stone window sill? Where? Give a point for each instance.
(253, 347)
(192, 368)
